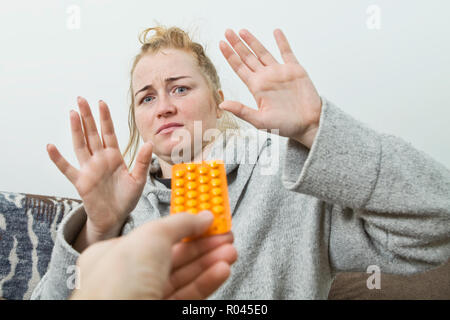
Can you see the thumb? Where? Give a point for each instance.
(143, 161)
(242, 111)
(181, 225)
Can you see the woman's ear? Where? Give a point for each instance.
(219, 110)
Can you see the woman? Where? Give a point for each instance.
(342, 198)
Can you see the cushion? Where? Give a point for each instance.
(28, 226)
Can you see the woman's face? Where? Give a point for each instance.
(169, 89)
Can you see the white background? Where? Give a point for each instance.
(394, 79)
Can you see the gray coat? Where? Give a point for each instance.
(358, 198)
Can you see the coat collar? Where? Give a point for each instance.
(239, 153)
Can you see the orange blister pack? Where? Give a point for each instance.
(202, 186)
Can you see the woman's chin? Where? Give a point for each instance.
(174, 151)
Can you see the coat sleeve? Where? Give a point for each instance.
(389, 203)
(59, 282)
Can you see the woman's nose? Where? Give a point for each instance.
(165, 107)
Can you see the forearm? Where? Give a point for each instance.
(390, 201)
(356, 167)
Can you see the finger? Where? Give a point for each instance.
(205, 284)
(261, 52)
(70, 172)
(190, 272)
(245, 113)
(185, 252)
(285, 49)
(181, 225)
(235, 62)
(143, 161)
(90, 129)
(107, 127)
(78, 141)
(241, 49)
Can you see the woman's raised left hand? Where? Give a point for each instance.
(285, 95)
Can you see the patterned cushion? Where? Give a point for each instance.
(28, 226)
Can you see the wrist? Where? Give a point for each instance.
(106, 232)
(90, 235)
(308, 136)
(310, 129)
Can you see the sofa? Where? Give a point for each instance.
(28, 225)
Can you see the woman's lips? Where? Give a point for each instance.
(169, 129)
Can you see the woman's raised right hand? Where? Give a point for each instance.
(108, 190)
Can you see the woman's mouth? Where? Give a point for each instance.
(169, 128)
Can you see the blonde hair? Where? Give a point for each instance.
(174, 38)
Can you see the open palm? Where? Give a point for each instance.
(285, 95)
(109, 192)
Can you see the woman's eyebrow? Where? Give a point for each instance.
(171, 79)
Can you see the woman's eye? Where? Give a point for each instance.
(145, 100)
(185, 89)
